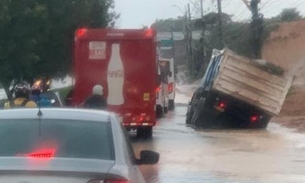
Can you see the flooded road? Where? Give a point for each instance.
(274, 155)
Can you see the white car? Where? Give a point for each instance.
(67, 146)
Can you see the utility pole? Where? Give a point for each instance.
(220, 22)
(189, 24)
(201, 8)
(202, 59)
(257, 28)
(190, 37)
(173, 43)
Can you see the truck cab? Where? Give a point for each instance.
(237, 92)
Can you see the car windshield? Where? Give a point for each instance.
(58, 138)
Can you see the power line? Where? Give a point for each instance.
(271, 8)
(243, 11)
(240, 39)
(300, 3)
(263, 5)
(226, 5)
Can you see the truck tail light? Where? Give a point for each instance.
(170, 88)
(221, 105)
(81, 32)
(141, 119)
(158, 89)
(254, 118)
(149, 33)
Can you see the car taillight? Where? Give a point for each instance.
(158, 89)
(108, 181)
(170, 88)
(46, 153)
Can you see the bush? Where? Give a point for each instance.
(271, 68)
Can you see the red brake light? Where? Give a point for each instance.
(158, 89)
(149, 33)
(81, 32)
(170, 88)
(222, 105)
(254, 118)
(42, 154)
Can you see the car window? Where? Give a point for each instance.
(67, 138)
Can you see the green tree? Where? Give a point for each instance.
(290, 14)
(21, 25)
(37, 35)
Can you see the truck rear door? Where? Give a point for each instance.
(124, 63)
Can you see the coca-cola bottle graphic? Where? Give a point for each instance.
(115, 77)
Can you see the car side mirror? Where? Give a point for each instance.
(170, 74)
(148, 158)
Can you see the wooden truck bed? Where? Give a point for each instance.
(241, 79)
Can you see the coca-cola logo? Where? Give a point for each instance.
(116, 74)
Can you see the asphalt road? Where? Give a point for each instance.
(275, 155)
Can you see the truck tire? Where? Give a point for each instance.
(159, 111)
(165, 110)
(189, 116)
(171, 105)
(199, 118)
(145, 132)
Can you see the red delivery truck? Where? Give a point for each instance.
(124, 63)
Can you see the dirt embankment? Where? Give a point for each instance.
(285, 47)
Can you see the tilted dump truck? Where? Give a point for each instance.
(237, 92)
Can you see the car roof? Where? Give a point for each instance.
(56, 113)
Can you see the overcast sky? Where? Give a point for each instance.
(137, 13)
